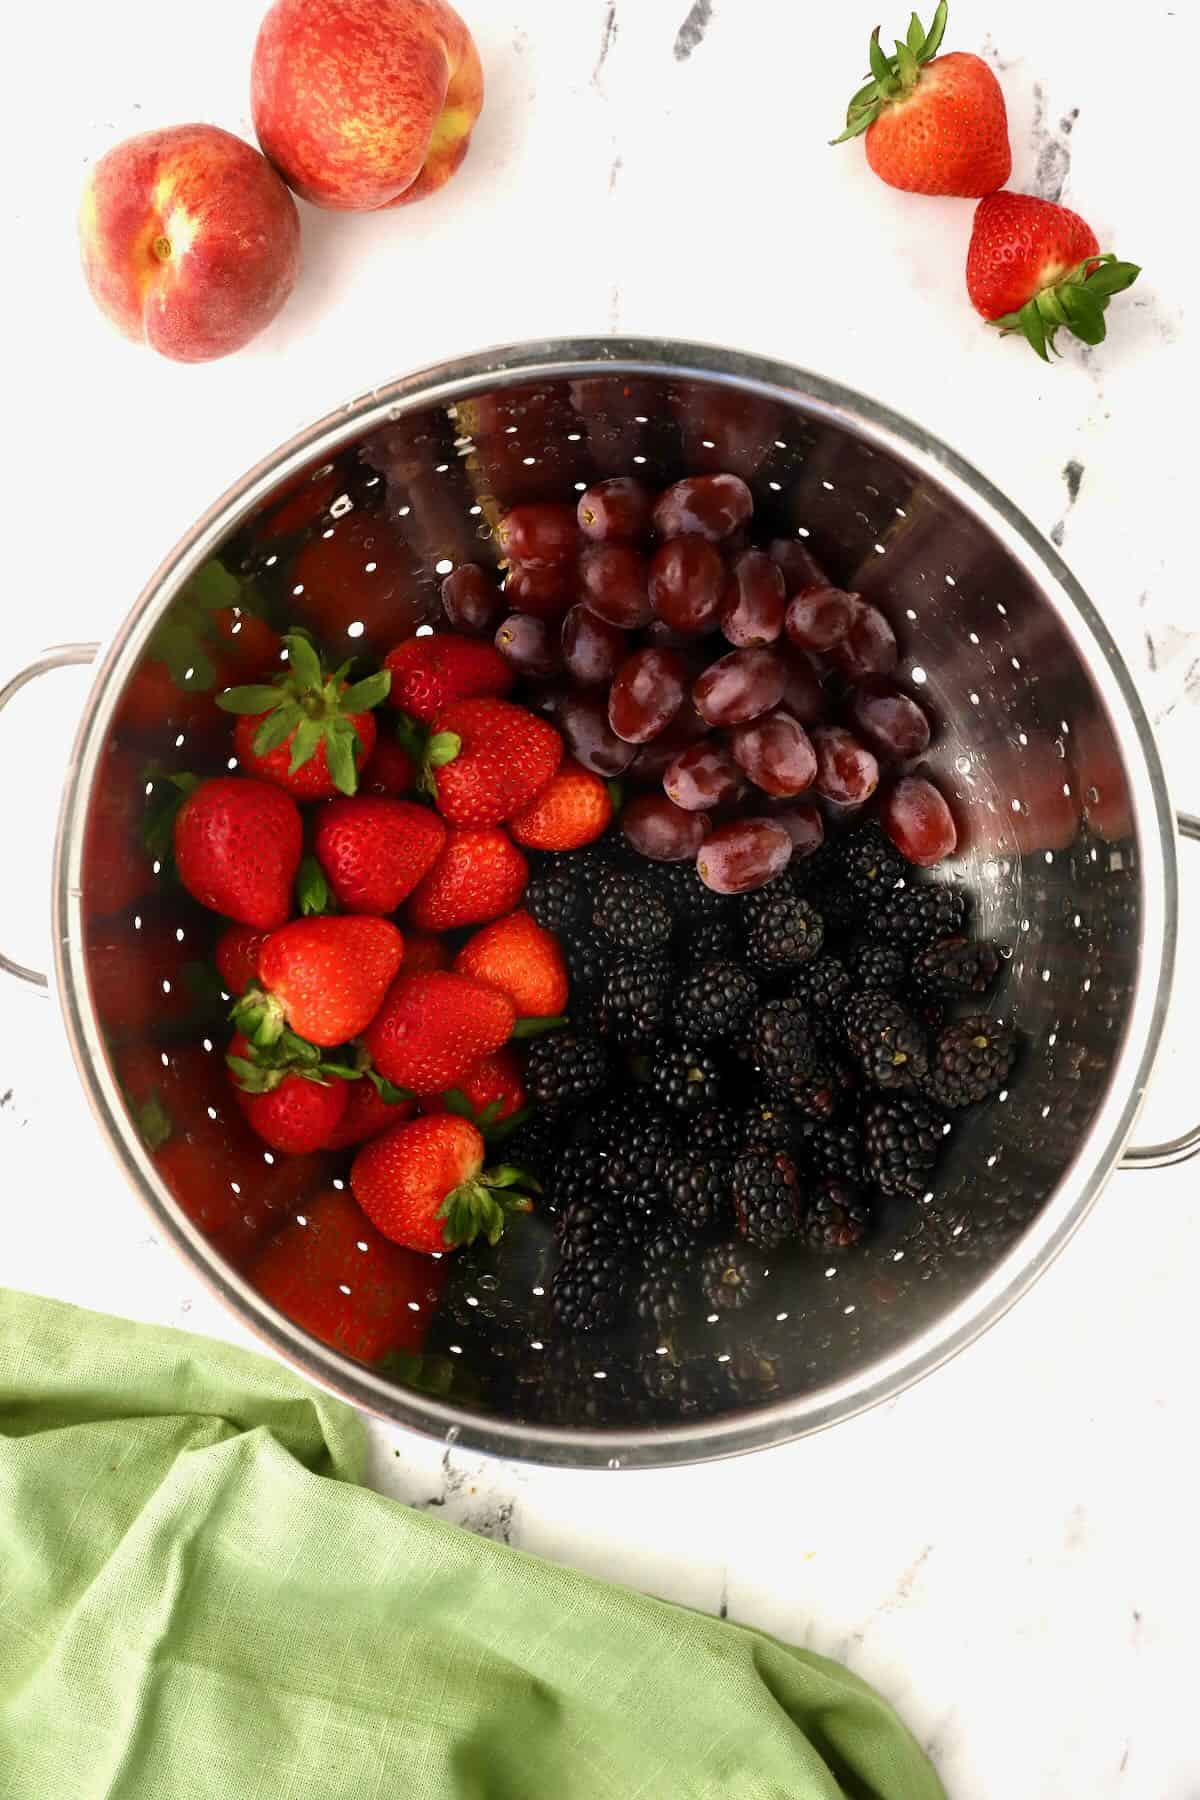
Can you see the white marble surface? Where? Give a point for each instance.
(1008, 1550)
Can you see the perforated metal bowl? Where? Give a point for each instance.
(1067, 845)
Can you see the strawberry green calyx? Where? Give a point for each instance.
(312, 890)
(259, 1017)
(154, 1123)
(894, 77)
(483, 1202)
(307, 707)
(264, 1066)
(1076, 302)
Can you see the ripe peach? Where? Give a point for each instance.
(362, 104)
(190, 241)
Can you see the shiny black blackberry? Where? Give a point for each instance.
(589, 1290)
(717, 1131)
(708, 939)
(668, 1247)
(821, 985)
(835, 1216)
(632, 1002)
(685, 1077)
(732, 1276)
(565, 1067)
(713, 1000)
(916, 915)
(972, 1059)
(556, 899)
(833, 1148)
(589, 956)
(879, 967)
(698, 1191)
(890, 1046)
(661, 1300)
(955, 968)
(535, 1144)
(903, 1136)
(635, 1168)
(766, 1197)
(783, 933)
(573, 1173)
(867, 863)
(768, 1124)
(690, 901)
(630, 910)
(781, 1041)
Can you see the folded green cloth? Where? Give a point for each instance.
(197, 1602)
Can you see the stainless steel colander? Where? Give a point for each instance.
(1067, 847)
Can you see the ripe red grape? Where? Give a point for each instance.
(646, 694)
(800, 567)
(711, 506)
(753, 602)
(888, 719)
(775, 753)
(529, 644)
(804, 696)
(546, 592)
(619, 508)
(583, 721)
(540, 534)
(659, 829)
(918, 821)
(803, 824)
(612, 581)
(470, 600)
(819, 617)
(687, 580)
(869, 646)
(739, 686)
(847, 773)
(701, 776)
(653, 759)
(744, 854)
(592, 649)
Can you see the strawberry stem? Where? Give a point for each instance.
(1076, 303)
(306, 707)
(893, 77)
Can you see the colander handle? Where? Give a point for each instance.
(1174, 1150)
(61, 656)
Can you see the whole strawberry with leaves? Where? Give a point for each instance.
(309, 731)
(424, 1185)
(291, 1094)
(1034, 267)
(323, 979)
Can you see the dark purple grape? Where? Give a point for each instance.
(800, 567)
(869, 646)
(612, 581)
(530, 645)
(918, 821)
(687, 580)
(619, 508)
(804, 697)
(592, 649)
(702, 776)
(888, 719)
(819, 617)
(471, 600)
(662, 831)
(847, 773)
(583, 721)
(776, 753)
(803, 824)
(540, 535)
(753, 603)
(743, 854)
(647, 693)
(545, 592)
(655, 758)
(739, 686)
(710, 506)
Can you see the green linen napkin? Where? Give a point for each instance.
(197, 1602)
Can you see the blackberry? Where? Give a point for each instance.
(691, 903)
(902, 1140)
(669, 1247)
(635, 1168)
(633, 999)
(766, 1197)
(717, 1131)
(589, 1288)
(564, 1068)
(835, 1216)
(698, 1191)
(883, 967)
(631, 911)
(589, 957)
(770, 1125)
(555, 899)
(782, 1042)
(685, 1077)
(662, 1300)
(954, 968)
(713, 1000)
(535, 1144)
(889, 1045)
(711, 938)
(972, 1058)
(830, 1149)
(573, 1174)
(783, 933)
(821, 985)
(867, 863)
(731, 1276)
(916, 915)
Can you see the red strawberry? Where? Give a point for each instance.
(237, 849)
(431, 1029)
(478, 876)
(487, 758)
(487, 1094)
(293, 1108)
(1033, 266)
(388, 770)
(310, 732)
(237, 956)
(335, 1276)
(933, 126)
(324, 978)
(429, 673)
(374, 851)
(424, 1185)
(521, 959)
(367, 1114)
(573, 809)
(423, 952)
